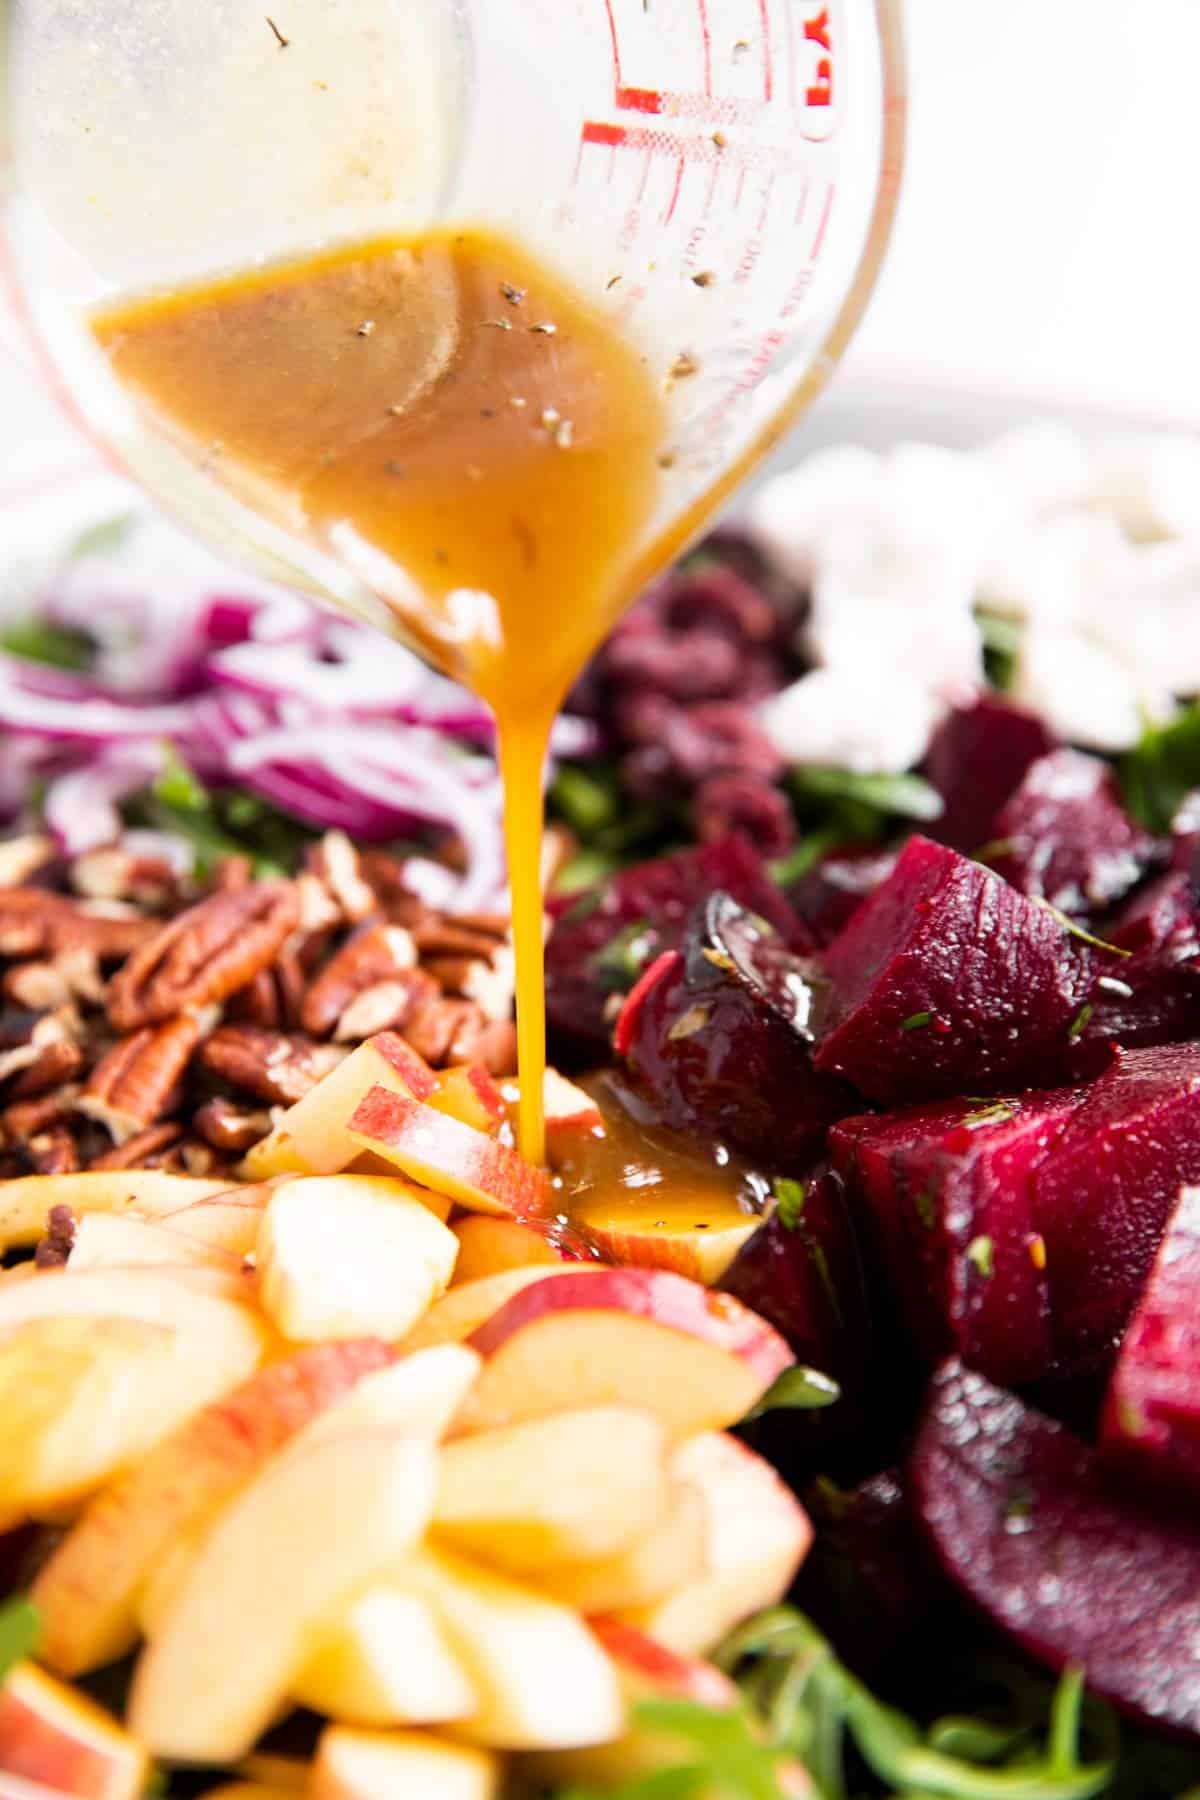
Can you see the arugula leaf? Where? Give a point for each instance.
(36, 640)
(813, 1708)
(177, 787)
(898, 796)
(586, 869)
(798, 1389)
(1162, 769)
(589, 798)
(804, 856)
(789, 1201)
(20, 1626)
(1001, 646)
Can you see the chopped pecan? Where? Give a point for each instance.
(232, 874)
(108, 929)
(320, 908)
(25, 1117)
(25, 915)
(57, 1062)
(385, 878)
(496, 1047)
(337, 865)
(135, 1082)
(275, 1066)
(490, 984)
(113, 873)
(22, 857)
(257, 1003)
(204, 955)
(227, 1127)
(52, 1152)
(59, 1241)
(71, 975)
(380, 1008)
(440, 936)
(372, 954)
(143, 1151)
(446, 1031)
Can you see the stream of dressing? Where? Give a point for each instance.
(466, 434)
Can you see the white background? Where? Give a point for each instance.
(1049, 235)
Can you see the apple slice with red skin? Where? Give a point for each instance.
(400, 1765)
(756, 1537)
(490, 1246)
(442, 1153)
(460, 1312)
(86, 1593)
(634, 1337)
(61, 1740)
(469, 1094)
(228, 1220)
(311, 1137)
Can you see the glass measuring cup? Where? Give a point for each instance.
(718, 175)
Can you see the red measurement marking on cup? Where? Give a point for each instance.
(703, 105)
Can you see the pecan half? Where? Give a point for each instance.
(336, 864)
(204, 955)
(52, 1152)
(25, 915)
(107, 929)
(58, 1061)
(143, 1151)
(227, 1127)
(71, 975)
(113, 873)
(490, 983)
(372, 954)
(135, 1082)
(24, 1118)
(274, 1066)
(22, 857)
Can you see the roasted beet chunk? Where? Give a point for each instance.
(868, 1581)
(945, 1196)
(718, 1037)
(947, 981)
(1065, 837)
(1104, 1193)
(828, 897)
(975, 761)
(1151, 995)
(1151, 1424)
(1018, 1514)
(602, 940)
(801, 1273)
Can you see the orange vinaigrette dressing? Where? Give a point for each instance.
(463, 432)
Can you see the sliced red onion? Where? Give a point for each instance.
(80, 807)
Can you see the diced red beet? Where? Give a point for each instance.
(1103, 1195)
(976, 760)
(1068, 838)
(1151, 1423)
(805, 1278)
(603, 939)
(868, 1581)
(719, 1041)
(1152, 995)
(947, 981)
(1016, 1510)
(945, 1194)
(828, 897)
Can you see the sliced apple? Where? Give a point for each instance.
(292, 1549)
(554, 1490)
(420, 1394)
(460, 1313)
(697, 1240)
(646, 1671)
(86, 1592)
(227, 1221)
(311, 1137)
(756, 1537)
(341, 1254)
(489, 1246)
(85, 1392)
(572, 1117)
(387, 1661)
(400, 1765)
(541, 1679)
(116, 1240)
(25, 1202)
(469, 1095)
(61, 1740)
(479, 1172)
(595, 1337)
(666, 1557)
